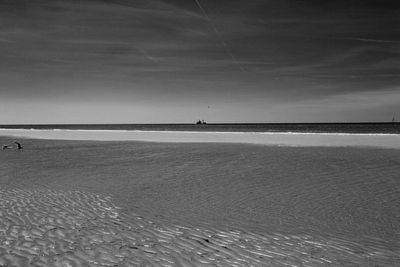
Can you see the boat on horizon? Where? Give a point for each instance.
(201, 122)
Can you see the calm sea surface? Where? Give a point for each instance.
(388, 128)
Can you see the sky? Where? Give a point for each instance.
(177, 61)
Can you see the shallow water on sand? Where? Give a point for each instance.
(306, 139)
(69, 203)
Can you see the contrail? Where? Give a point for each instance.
(368, 40)
(224, 44)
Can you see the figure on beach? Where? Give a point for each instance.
(19, 146)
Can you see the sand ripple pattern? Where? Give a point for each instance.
(42, 227)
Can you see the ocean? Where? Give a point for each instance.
(362, 128)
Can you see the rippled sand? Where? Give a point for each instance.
(74, 228)
(69, 203)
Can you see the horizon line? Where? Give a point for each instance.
(207, 123)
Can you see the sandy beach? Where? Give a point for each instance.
(126, 203)
(172, 133)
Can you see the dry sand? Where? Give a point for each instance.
(87, 203)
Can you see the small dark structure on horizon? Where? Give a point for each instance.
(201, 122)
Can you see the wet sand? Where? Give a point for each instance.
(90, 203)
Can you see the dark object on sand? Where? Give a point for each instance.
(19, 146)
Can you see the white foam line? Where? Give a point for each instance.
(206, 132)
(262, 138)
